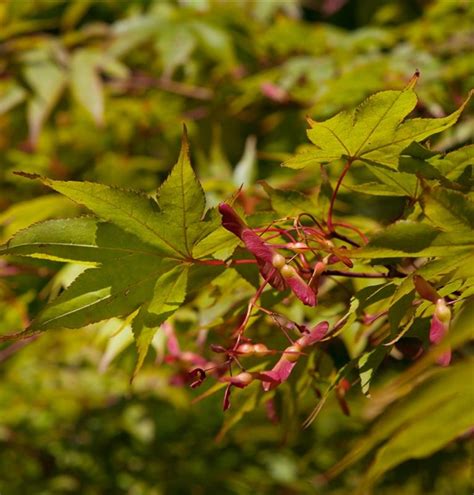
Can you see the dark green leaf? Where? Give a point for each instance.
(83, 239)
(114, 289)
(168, 295)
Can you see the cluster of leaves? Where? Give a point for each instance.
(152, 255)
(328, 277)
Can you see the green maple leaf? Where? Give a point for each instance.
(172, 224)
(140, 252)
(85, 240)
(168, 294)
(115, 288)
(374, 132)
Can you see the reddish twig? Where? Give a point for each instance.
(347, 166)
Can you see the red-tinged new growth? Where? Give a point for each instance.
(299, 287)
(192, 367)
(441, 318)
(241, 380)
(341, 389)
(425, 289)
(283, 368)
(439, 329)
(272, 265)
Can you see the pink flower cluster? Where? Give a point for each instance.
(272, 265)
(282, 369)
(441, 317)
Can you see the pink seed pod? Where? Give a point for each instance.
(315, 335)
(292, 353)
(442, 311)
(260, 350)
(246, 349)
(241, 380)
(299, 287)
(439, 328)
(230, 220)
(278, 261)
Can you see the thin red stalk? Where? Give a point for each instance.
(347, 166)
(15, 347)
(297, 220)
(282, 328)
(315, 232)
(270, 237)
(355, 229)
(250, 306)
(276, 229)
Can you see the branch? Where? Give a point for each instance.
(142, 81)
(347, 166)
(342, 273)
(15, 347)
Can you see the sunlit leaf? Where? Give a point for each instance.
(113, 289)
(82, 239)
(407, 238)
(47, 81)
(168, 295)
(86, 83)
(373, 132)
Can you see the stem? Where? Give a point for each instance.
(282, 232)
(21, 335)
(15, 347)
(355, 229)
(250, 306)
(341, 237)
(220, 262)
(143, 81)
(315, 232)
(342, 273)
(347, 166)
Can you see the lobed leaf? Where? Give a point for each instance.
(449, 210)
(182, 203)
(114, 289)
(368, 364)
(172, 225)
(168, 295)
(373, 132)
(408, 238)
(431, 396)
(86, 83)
(289, 203)
(132, 212)
(47, 81)
(83, 239)
(430, 431)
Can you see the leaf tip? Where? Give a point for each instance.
(414, 79)
(184, 137)
(310, 121)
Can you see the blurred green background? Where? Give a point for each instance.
(98, 90)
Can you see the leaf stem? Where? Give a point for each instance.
(347, 166)
(239, 332)
(227, 263)
(342, 273)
